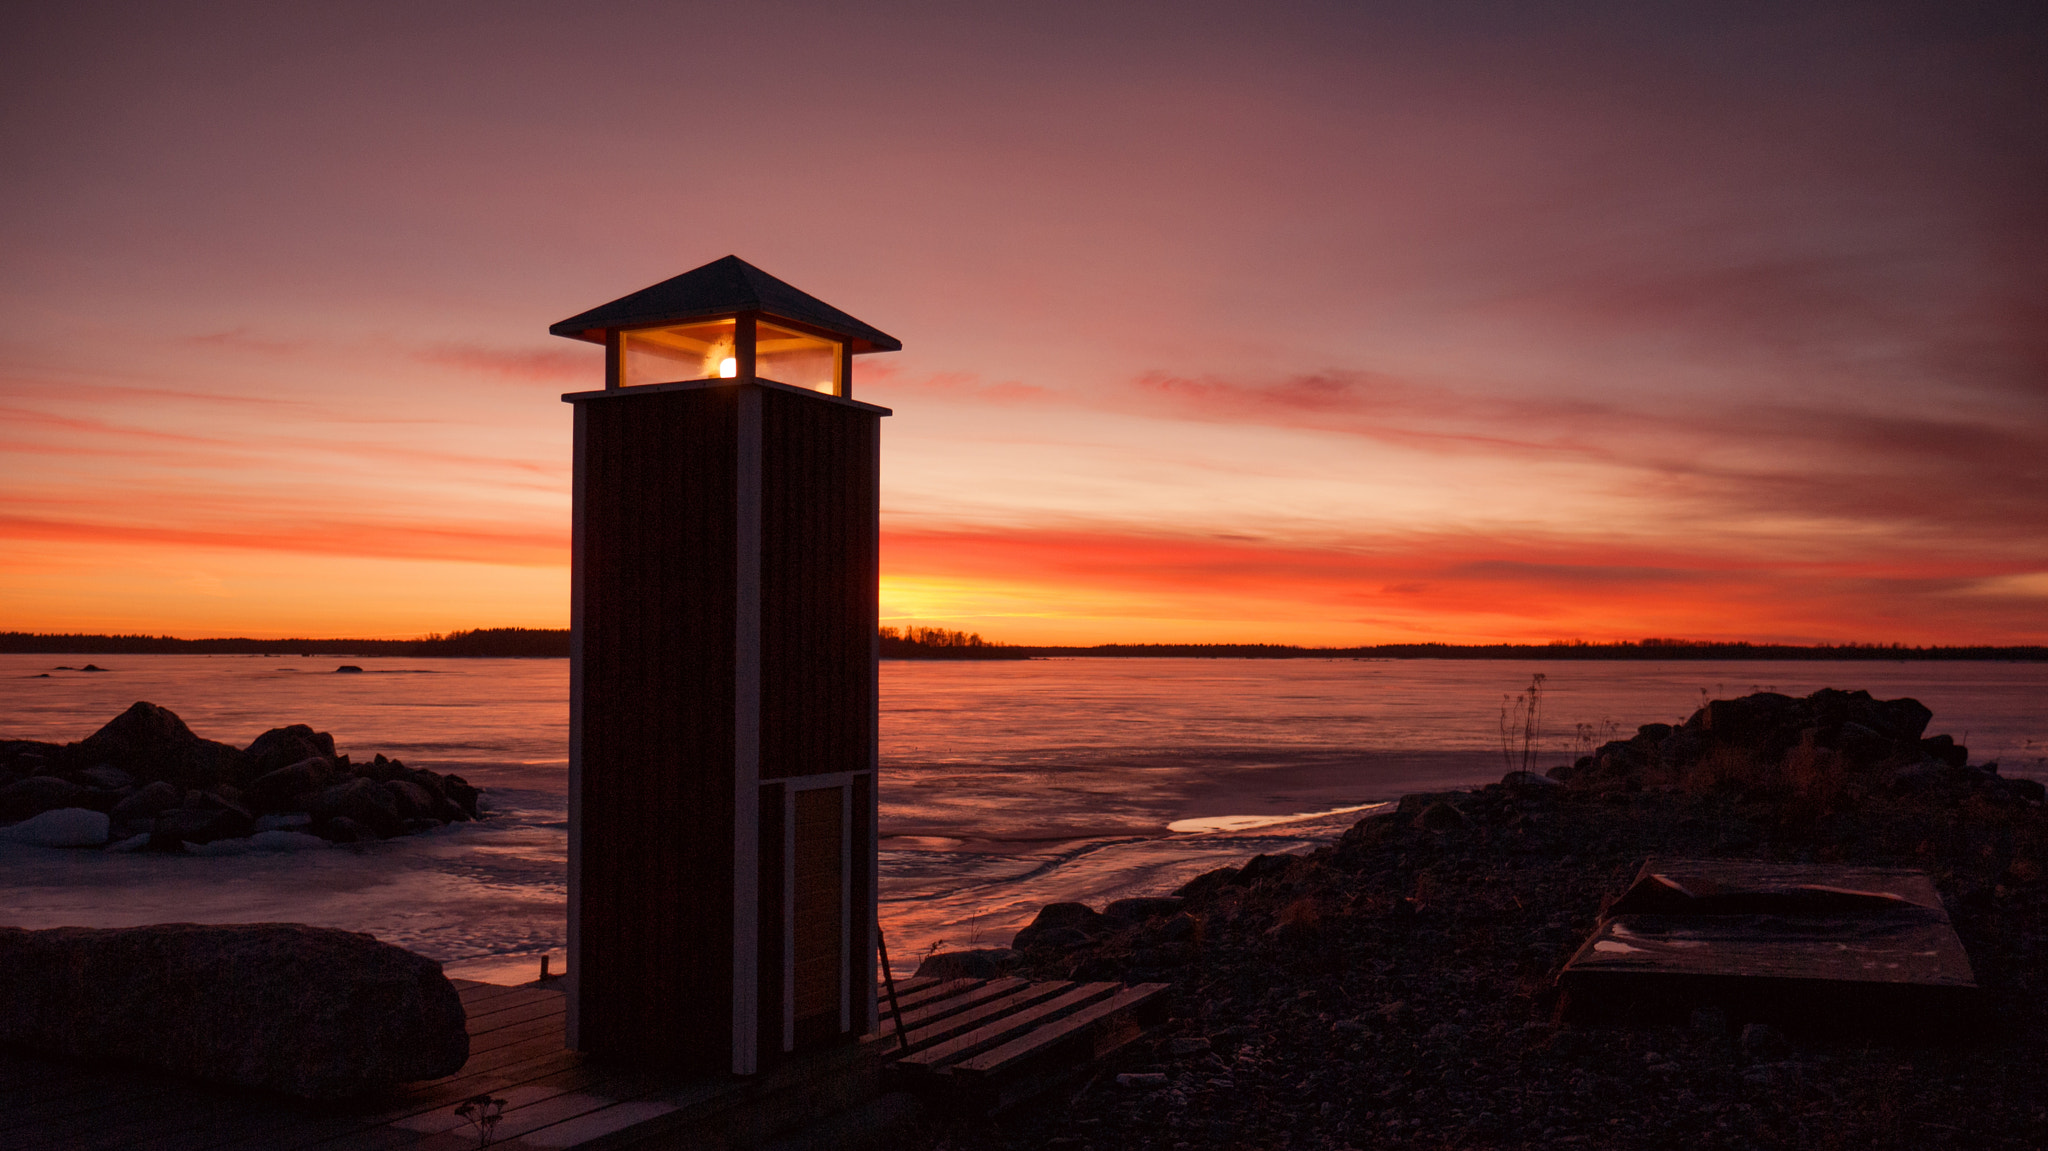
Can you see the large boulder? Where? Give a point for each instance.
(151, 742)
(365, 801)
(148, 803)
(308, 1011)
(284, 746)
(293, 784)
(38, 794)
(64, 827)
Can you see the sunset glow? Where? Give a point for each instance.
(1320, 327)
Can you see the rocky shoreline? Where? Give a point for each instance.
(1397, 988)
(146, 782)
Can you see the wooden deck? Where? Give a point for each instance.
(554, 1098)
(974, 1044)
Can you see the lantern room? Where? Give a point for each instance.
(727, 320)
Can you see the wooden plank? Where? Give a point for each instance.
(484, 1024)
(937, 992)
(994, 1061)
(962, 1022)
(939, 1008)
(913, 1018)
(1003, 1029)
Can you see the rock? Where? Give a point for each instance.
(1143, 1080)
(1762, 1042)
(1128, 911)
(1530, 781)
(182, 825)
(308, 1011)
(1944, 749)
(280, 789)
(412, 799)
(38, 794)
(151, 742)
(1075, 917)
(1440, 816)
(459, 790)
(2031, 790)
(349, 669)
(342, 829)
(982, 963)
(364, 801)
(149, 802)
(284, 746)
(1209, 882)
(276, 840)
(283, 821)
(1265, 867)
(1185, 1047)
(130, 843)
(106, 777)
(63, 827)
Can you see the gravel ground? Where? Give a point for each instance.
(1397, 988)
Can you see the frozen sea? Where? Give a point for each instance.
(1005, 785)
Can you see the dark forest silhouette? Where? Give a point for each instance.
(940, 643)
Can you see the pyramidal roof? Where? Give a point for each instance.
(721, 288)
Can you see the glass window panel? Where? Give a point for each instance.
(683, 352)
(789, 357)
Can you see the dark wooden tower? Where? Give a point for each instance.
(722, 707)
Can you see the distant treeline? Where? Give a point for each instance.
(1647, 649)
(501, 642)
(939, 643)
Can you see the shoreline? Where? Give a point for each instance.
(1397, 987)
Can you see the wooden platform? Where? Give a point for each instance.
(554, 1098)
(988, 1044)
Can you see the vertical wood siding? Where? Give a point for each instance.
(656, 754)
(819, 567)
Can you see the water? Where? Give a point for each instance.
(1006, 785)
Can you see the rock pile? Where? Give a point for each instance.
(151, 783)
(1398, 987)
(1834, 747)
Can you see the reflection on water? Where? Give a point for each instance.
(1006, 785)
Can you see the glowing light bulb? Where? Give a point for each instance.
(728, 368)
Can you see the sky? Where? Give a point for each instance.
(1326, 324)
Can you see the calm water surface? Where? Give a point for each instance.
(1006, 785)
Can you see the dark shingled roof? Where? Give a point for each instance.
(723, 287)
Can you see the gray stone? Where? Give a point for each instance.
(63, 827)
(148, 803)
(308, 1011)
(279, 789)
(365, 801)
